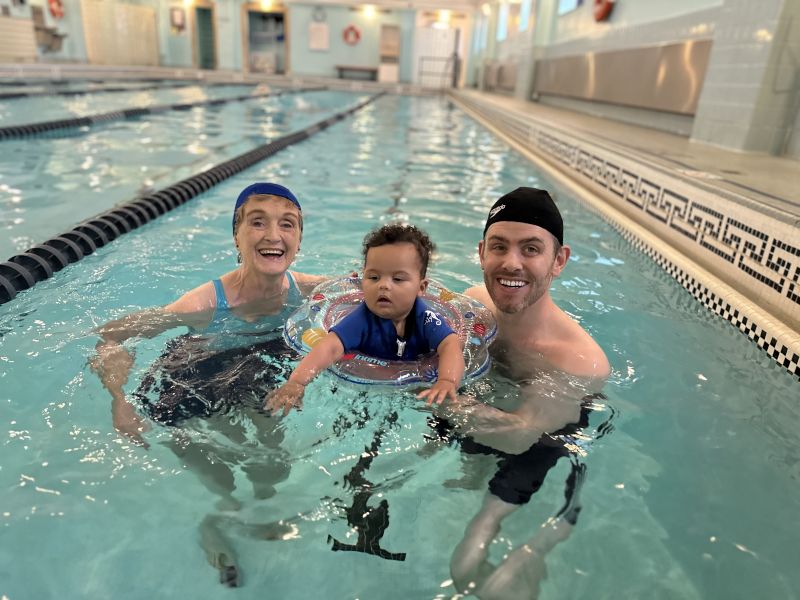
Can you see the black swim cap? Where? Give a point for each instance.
(528, 205)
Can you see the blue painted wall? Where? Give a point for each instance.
(363, 54)
(175, 48)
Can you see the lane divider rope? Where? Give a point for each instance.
(82, 91)
(32, 129)
(23, 271)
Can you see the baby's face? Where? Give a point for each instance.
(392, 280)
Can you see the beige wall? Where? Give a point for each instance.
(119, 34)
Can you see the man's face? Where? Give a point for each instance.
(392, 280)
(268, 237)
(519, 262)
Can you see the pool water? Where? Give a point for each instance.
(692, 494)
(15, 111)
(80, 173)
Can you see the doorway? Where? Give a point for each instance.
(206, 47)
(266, 42)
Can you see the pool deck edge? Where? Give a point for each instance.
(776, 336)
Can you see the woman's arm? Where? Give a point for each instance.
(322, 356)
(306, 283)
(113, 362)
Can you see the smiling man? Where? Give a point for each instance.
(522, 251)
(553, 370)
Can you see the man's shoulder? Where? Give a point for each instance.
(577, 353)
(481, 294)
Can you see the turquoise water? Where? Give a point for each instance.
(15, 111)
(48, 185)
(694, 494)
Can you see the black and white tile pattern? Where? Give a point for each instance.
(778, 352)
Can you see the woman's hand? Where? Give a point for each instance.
(128, 422)
(286, 397)
(439, 392)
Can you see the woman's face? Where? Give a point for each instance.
(268, 235)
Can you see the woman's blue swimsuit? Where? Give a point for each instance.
(229, 363)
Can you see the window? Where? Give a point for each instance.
(565, 6)
(502, 22)
(525, 14)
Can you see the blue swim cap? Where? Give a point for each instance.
(268, 189)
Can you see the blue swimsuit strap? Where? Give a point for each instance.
(219, 292)
(292, 284)
(222, 301)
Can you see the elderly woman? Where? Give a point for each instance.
(233, 321)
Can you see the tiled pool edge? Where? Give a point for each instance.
(779, 341)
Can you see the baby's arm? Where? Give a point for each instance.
(451, 370)
(290, 394)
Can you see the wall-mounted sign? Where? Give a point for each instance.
(177, 19)
(318, 36)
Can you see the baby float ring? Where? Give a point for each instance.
(351, 35)
(332, 300)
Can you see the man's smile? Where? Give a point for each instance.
(511, 283)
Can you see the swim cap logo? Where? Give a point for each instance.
(496, 210)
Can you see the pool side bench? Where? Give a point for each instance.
(370, 72)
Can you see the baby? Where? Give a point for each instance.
(392, 323)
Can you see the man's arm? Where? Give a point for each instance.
(505, 431)
(545, 405)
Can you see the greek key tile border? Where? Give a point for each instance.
(770, 261)
(780, 353)
(761, 256)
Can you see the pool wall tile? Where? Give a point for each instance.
(739, 258)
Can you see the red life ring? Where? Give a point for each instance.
(602, 9)
(351, 35)
(56, 8)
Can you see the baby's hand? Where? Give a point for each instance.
(286, 397)
(439, 392)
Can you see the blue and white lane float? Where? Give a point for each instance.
(332, 300)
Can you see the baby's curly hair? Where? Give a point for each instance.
(397, 233)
